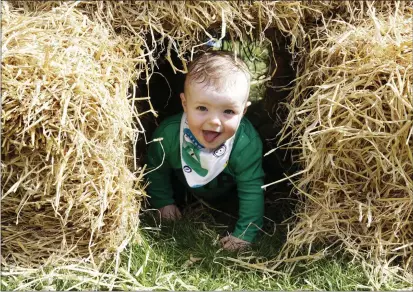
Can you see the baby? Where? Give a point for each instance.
(211, 147)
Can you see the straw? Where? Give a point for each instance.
(66, 156)
(67, 180)
(350, 122)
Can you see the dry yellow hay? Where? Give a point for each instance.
(68, 189)
(66, 119)
(351, 121)
(184, 26)
(344, 154)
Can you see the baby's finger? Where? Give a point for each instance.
(224, 240)
(177, 214)
(243, 247)
(168, 214)
(230, 246)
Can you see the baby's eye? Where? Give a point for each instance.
(201, 108)
(230, 112)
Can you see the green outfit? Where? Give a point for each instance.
(244, 171)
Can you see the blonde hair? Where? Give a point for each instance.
(216, 69)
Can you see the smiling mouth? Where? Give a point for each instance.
(210, 136)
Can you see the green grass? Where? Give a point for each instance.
(177, 242)
(186, 255)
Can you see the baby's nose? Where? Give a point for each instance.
(214, 120)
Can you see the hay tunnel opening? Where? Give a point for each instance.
(271, 67)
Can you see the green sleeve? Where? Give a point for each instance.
(249, 177)
(159, 188)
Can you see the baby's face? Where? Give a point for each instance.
(214, 116)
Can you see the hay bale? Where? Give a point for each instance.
(68, 189)
(351, 120)
(186, 24)
(189, 25)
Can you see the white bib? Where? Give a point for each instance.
(199, 165)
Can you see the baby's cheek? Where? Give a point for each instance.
(232, 127)
(196, 119)
(193, 121)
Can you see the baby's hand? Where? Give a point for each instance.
(233, 243)
(170, 212)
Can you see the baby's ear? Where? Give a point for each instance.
(183, 100)
(246, 107)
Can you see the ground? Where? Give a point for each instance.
(186, 255)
